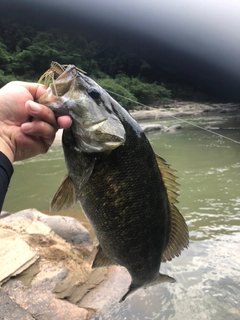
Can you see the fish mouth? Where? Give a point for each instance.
(93, 125)
(100, 135)
(60, 111)
(113, 145)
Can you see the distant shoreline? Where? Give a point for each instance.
(181, 109)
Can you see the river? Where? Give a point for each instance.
(208, 273)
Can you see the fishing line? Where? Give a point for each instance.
(181, 120)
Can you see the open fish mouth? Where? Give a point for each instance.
(112, 144)
(93, 125)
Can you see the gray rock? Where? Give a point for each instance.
(38, 299)
(174, 128)
(28, 214)
(32, 287)
(4, 214)
(149, 128)
(68, 228)
(59, 283)
(10, 310)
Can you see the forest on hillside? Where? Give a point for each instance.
(26, 53)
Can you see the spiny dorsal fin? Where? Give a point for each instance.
(101, 260)
(65, 196)
(179, 238)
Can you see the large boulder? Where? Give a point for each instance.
(45, 270)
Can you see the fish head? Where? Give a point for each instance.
(95, 126)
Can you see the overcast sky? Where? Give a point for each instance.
(208, 30)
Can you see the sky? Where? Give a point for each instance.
(201, 38)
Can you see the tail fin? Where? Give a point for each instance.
(133, 287)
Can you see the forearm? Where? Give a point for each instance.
(6, 171)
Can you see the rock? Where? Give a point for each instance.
(46, 277)
(38, 300)
(15, 255)
(184, 108)
(4, 214)
(150, 114)
(11, 310)
(66, 227)
(212, 128)
(39, 260)
(174, 128)
(69, 229)
(153, 128)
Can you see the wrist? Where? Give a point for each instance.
(6, 145)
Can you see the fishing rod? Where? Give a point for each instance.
(179, 119)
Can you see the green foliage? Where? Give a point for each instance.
(5, 79)
(4, 55)
(146, 93)
(26, 53)
(128, 91)
(118, 92)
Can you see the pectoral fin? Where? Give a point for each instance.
(65, 196)
(101, 260)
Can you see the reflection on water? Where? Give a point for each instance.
(208, 273)
(207, 286)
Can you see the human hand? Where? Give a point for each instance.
(21, 138)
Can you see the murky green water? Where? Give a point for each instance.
(208, 273)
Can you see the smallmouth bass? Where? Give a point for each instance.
(126, 191)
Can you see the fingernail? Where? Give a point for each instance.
(35, 108)
(26, 126)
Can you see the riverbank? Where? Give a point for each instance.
(182, 109)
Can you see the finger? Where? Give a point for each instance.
(36, 89)
(41, 130)
(64, 122)
(39, 111)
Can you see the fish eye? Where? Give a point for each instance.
(93, 93)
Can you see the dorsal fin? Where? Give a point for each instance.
(179, 237)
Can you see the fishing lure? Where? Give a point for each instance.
(56, 69)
